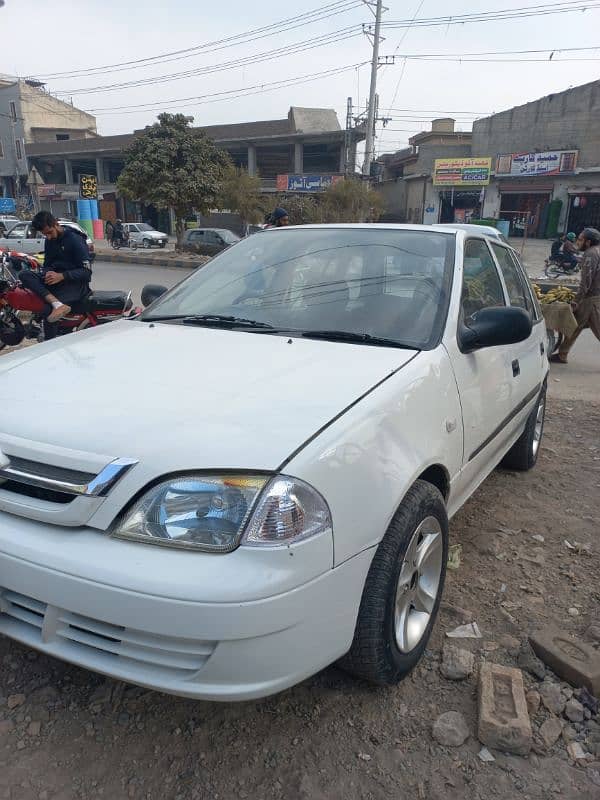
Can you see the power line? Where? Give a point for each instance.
(315, 15)
(232, 94)
(298, 47)
(494, 16)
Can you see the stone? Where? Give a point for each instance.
(510, 643)
(533, 701)
(503, 719)
(588, 701)
(576, 752)
(15, 700)
(551, 697)
(592, 634)
(450, 729)
(6, 726)
(528, 661)
(457, 613)
(573, 612)
(34, 728)
(569, 734)
(457, 664)
(575, 661)
(574, 711)
(550, 730)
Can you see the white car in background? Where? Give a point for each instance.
(22, 238)
(143, 235)
(269, 490)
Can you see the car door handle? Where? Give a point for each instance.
(542, 348)
(516, 368)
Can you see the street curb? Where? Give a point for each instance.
(127, 258)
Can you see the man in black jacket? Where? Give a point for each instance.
(66, 275)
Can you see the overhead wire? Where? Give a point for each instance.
(300, 20)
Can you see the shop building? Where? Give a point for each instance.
(306, 151)
(545, 162)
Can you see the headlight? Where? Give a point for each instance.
(215, 512)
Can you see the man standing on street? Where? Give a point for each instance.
(587, 302)
(66, 275)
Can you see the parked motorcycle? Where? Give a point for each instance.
(21, 311)
(554, 266)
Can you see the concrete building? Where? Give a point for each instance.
(544, 168)
(300, 153)
(407, 183)
(546, 162)
(29, 115)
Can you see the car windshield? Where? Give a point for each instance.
(372, 281)
(143, 226)
(228, 236)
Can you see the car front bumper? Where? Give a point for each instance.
(168, 642)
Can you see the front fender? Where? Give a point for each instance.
(365, 461)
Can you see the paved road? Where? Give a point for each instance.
(109, 275)
(580, 380)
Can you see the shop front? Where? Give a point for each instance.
(460, 184)
(524, 204)
(584, 210)
(531, 189)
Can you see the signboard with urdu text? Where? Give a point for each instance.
(550, 162)
(306, 183)
(462, 171)
(88, 187)
(8, 205)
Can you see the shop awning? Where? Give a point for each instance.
(525, 188)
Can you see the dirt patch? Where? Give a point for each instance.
(333, 737)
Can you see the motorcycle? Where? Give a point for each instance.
(22, 311)
(554, 266)
(121, 241)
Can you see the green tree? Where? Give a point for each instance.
(351, 200)
(172, 165)
(303, 209)
(240, 192)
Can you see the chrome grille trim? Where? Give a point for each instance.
(57, 479)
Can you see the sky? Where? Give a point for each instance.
(100, 34)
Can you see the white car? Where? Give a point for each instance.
(143, 235)
(470, 227)
(268, 490)
(22, 238)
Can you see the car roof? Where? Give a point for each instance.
(217, 230)
(470, 227)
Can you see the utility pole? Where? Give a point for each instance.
(369, 142)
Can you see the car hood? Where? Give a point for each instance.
(154, 234)
(178, 397)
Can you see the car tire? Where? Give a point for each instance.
(162, 245)
(391, 634)
(523, 455)
(147, 244)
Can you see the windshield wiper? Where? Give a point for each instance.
(359, 338)
(216, 320)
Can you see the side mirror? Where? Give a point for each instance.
(151, 292)
(492, 327)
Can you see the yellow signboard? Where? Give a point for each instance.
(462, 171)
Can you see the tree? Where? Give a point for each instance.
(172, 165)
(351, 200)
(240, 193)
(303, 209)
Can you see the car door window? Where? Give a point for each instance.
(530, 297)
(514, 285)
(134, 229)
(18, 232)
(482, 287)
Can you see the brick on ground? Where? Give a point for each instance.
(503, 717)
(574, 661)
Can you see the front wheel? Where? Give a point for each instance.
(147, 244)
(523, 455)
(552, 270)
(12, 330)
(403, 590)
